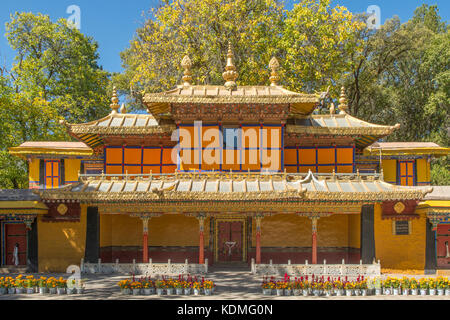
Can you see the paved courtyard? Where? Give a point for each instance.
(232, 284)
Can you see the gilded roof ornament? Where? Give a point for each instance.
(114, 101)
(343, 102)
(123, 110)
(186, 63)
(332, 109)
(230, 75)
(274, 76)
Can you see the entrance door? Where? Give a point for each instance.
(443, 246)
(15, 233)
(230, 241)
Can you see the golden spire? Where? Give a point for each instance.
(343, 103)
(115, 101)
(123, 109)
(187, 64)
(230, 75)
(274, 77)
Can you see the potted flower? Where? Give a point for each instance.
(339, 287)
(148, 286)
(187, 287)
(378, 285)
(19, 283)
(440, 285)
(405, 286)
(136, 287)
(297, 287)
(61, 286)
(432, 286)
(280, 286)
(3, 288)
(395, 284)
(317, 288)
(208, 286)
(328, 286)
(267, 288)
(387, 286)
(51, 285)
(42, 284)
(363, 287)
(447, 287)
(71, 286)
(29, 284)
(196, 286)
(170, 287)
(348, 286)
(414, 285)
(423, 284)
(125, 286)
(178, 287)
(357, 287)
(305, 287)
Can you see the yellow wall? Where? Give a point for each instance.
(61, 244)
(400, 252)
(71, 168)
(284, 230)
(390, 170)
(423, 170)
(34, 170)
(167, 230)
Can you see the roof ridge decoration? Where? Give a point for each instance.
(230, 75)
(343, 102)
(114, 101)
(274, 77)
(186, 63)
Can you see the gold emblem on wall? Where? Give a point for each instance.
(62, 209)
(399, 207)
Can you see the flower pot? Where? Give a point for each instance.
(297, 292)
(136, 292)
(30, 290)
(159, 291)
(316, 292)
(20, 290)
(447, 292)
(339, 292)
(43, 290)
(305, 292)
(208, 292)
(61, 290)
(378, 292)
(3, 290)
(170, 291)
(348, 292)
(187, 291)
(364, 292)
(395, 291)
(387, 291)
(423, 292)
(196, 292)
(280, 292)
(288, 292)
(125, 291)
(71, 290)
(328, 293)
(267, 292)
(432, 292)
(357, 292)
(179, 291)
(52, 290)
(440, 292)
(405, 292)
(11, 290)
(414, 292)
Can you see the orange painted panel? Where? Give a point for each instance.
(151, 169)
(326, 156)
(410, 166)
(250, 160)
(306, 169)
(187, 137)
(113, 169)
(307, 156)
(169, 169)
(113, 155)
(326, 169)
(133, 156)
(167, 156)
(231, 160)
(211, 160)
(271, 160)
(48, 169)
(291, 169)
(344, 155)
(250, 137)
(55, 172)
(48, 183)
(344, 169)
(132, 169)
(152, 156)
(211, 137)
(55, 182)
(290, 156)
(272, 138)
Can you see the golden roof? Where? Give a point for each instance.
(63, 148)
(407, 148)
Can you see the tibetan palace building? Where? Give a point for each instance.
(227, 173)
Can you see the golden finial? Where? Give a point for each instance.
(274, 77)
(187, 64)
(123, 109)
(343, 103)
(230, 75)
(115, 101)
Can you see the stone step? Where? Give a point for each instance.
(13, 270)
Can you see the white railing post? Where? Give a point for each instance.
(117, 266)
(206, 265)
(289, 262)
(150, 265)
(253, 266)
(324, 267)
(82, 265)
(134, 266)
(99, 265)
(169, 266)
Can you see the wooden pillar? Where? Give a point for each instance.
(145, 239)
(201, 245)
(367, 234)
(258, 239)
(314, 239)
(92, 251)
(430, 246)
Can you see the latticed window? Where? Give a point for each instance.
(401, 228)
(406, 173)
(52, 174)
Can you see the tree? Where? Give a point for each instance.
(55, 76)
(257, 31)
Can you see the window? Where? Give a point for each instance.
(401, 228)
(406, 172)
(52, 174)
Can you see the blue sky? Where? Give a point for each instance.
(112, 23)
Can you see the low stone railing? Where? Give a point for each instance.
(333, 270)
(149, 268)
